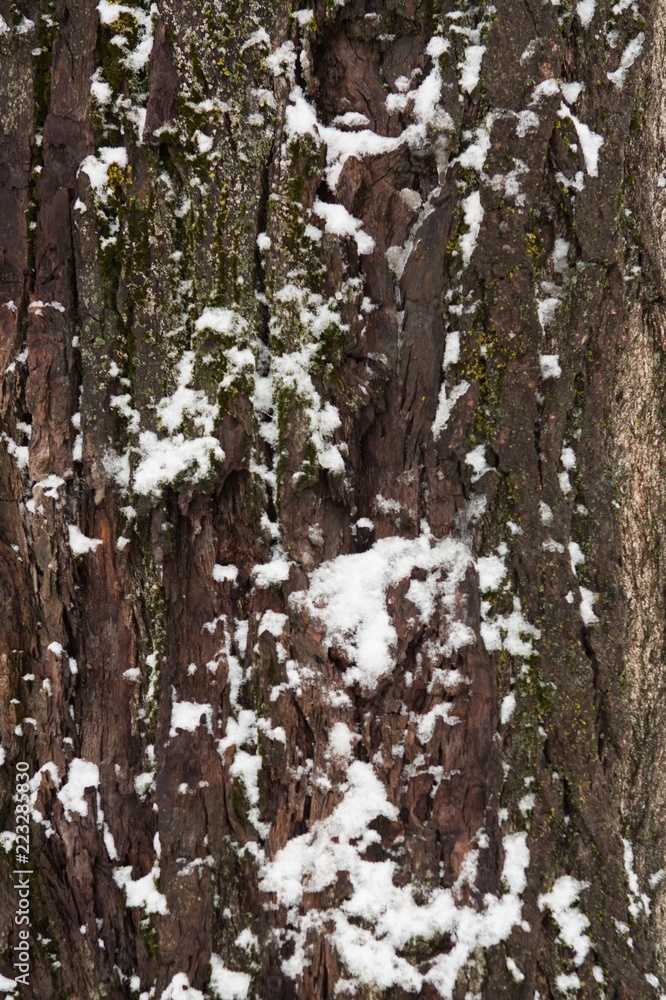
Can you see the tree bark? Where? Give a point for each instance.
(332, 498)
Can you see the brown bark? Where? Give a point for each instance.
(188, 176)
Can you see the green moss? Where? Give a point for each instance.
(239, 801)
(149, 935)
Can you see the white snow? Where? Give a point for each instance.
(100, 90)
(510, 632)
(470, 68)
(528, 121)
(273, 622)
(562, 901)
(568, 458)
(550, 366)
(377, 919)
(274, 572)
(477, 459)
(576, 556)
(339, 222)
(451, 349)
(224, 321)
(164, 459)
(568, 982)
(179, 989)
(187, 715)
(585, 10)
(225, 574)
(348, 597)
(186, 402)
(491, 570)
(474, 155)
(473, 216)
(225, 983)
(282, 61)
(507, 708)
(516, 974)
(141, 892)
(629, 57)
(588, 597)
(79, 543)
(591, 142)
(301, 118)
(546, 310)
(82, 774)
(204, 142)
(445, 405)
(571, 91)
(341, 741)
(97, 167)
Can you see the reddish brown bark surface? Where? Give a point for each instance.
(240, 330)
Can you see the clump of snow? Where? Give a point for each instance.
(137, 59)
(568, 983)
(100, 89)
(225, 574)
(79, 543)
(516, 974)
(507, 708)
(226, 984)
(348, 597)
(474, 155)
(82, 774)
(377, 919)
(451, 349)
(186, 402)
(550, 366)
(338, 221)
(179, 989)
(274, 572)
(477, 459)
(629, 57)
(562, 901)
(588, 597)
(510, 632)
(571, 91)
(470, 67)
(591, 142)
(585, 10)
(426, 110)
(224, 321)
(447, 400)
(141, 892)
(491, 570)
(341, 741)
(97, 168)
(165, 459)
(568, 458)
(273, 622)
(473, 216)
(187, 716)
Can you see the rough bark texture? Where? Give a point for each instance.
(457, 379)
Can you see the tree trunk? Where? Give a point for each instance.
(332, 491)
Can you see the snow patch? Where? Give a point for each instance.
(82, 774)
(225, 983)
(79, 543)
(348, 597)
(562, 902)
